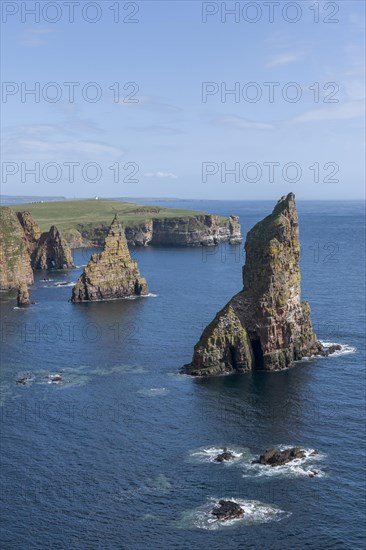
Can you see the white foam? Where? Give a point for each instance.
(153, 392)
(210, 453)
(254, 512)
(345, 348)
(300, 467)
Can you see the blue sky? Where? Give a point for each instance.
(163, 139)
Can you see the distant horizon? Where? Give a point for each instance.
(61, 198)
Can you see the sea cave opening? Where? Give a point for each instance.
(233, 357)
(257, 352)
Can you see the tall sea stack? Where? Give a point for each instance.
(265, 326)
(112, 274)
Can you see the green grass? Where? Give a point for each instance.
(66, 215)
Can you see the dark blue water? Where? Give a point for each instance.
(119, 455)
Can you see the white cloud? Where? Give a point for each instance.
(34, 37)
(164, 175)
(339, 111)
(149, 103)
(284, 59)
(240, 123)
(155, 129)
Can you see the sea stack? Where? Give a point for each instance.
(23, 295)
(112, 274)
(52, 251)
(265, 326)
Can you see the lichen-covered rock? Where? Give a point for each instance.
(15, 264)
(265, 326)
(52, 251)
(31, 230)
(111, 274)
(23, 295)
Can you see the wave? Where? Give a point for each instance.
(153, 392)
(208, 454)
(61, 284)
(300, 467)
(345, 348)
(254, 512)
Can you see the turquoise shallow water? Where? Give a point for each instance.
(120, 455)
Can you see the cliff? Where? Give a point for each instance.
(15, 264)
(86, 223)
(265, 326)
(112, 274)
(52, 251)
(198, 230)
(32, 232)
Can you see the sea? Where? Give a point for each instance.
(119, 454)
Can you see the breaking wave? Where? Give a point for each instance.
(345, 348)
(254, 512)
(208, 454)
(300, 467)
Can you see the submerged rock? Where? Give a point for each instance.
(55, 379)
(225, 456)
(265, 326)
(52, 251)
(227, 509)
(276, 457)
(23, 380)
(23, 295)
(112, 273)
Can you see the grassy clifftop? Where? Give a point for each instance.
(68, 215)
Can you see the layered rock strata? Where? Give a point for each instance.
(23, 295)
(15, 263)
(265, 326)
(199, 230)
(112, 274)
(52, 251)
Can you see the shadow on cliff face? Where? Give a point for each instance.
(257, 351)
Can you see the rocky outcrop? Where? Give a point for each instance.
(227, 509)
(194, 230)
(23, 295)
(225, 456)
(205, 230)
(275, 457)
(111, 274)
(31, 230)
(15, 264)
(139, 235)
(52, 251)
(265, 326)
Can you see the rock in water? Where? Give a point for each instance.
(225, 456)
(112, 273)
(275, 457)
(23, 295)
(227, 509)
(265, 326)
(52, 251)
